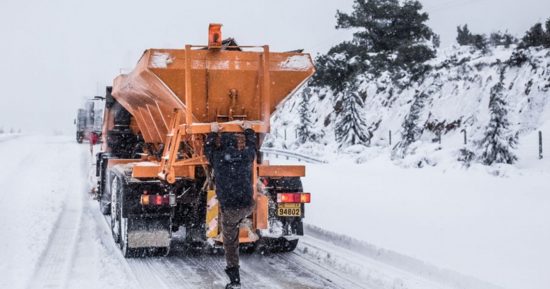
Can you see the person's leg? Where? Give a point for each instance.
(230, 231)
(231, 219)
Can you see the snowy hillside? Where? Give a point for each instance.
(452, 97)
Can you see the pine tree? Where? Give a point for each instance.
(534, 37)
(388, 35)
(509, 39)
(547, 38)
(496, 38)
(305, 126)
(350, 125)
(479, 41)
(498, 141)
(464, 36)
(502, 39)
(412, 130)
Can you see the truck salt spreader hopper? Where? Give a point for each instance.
(153, 177)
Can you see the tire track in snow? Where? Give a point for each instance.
(332, 278)
(54, 265)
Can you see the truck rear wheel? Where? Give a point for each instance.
(127, 252)
(289, 245)
(104, 205)
(115, 209)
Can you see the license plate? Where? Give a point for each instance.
(289, 210)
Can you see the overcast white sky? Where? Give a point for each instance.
(56, 53)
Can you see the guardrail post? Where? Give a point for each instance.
(540, 145)
(465, 137)
(390, 137)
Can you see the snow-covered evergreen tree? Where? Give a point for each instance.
(535, 36)
(499, 141)
(389, 36)
(464, 36)
(412, 130)
(305, 125)
(351, 127)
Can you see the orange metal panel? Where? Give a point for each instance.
(159, 81)
(281, 171)
(198, 128)
(152, 170)
(146, 170)
(261, 216)
(266, 87)
(198, 161)
(114, 162)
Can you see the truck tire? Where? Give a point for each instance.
(79, 137)
(115, 209)
(127, 252)
(289, 245)
(105, 195)
(104, 205)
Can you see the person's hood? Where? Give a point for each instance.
(228, 140)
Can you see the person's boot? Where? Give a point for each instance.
(234, 278)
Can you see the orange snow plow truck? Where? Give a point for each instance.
(153, 176)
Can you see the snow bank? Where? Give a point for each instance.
(493, 228)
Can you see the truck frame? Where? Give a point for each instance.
(153, 177)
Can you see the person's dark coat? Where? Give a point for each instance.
(232, 168)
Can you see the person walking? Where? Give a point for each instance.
(232, 160)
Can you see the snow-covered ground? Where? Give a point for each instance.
(55, 237)
(48, 237)
(492, 223)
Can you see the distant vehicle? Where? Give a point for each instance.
(89, 119)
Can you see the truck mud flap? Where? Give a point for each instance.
(148, 232)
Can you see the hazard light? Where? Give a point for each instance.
(293, 198)
(215, 36)
(158, 200)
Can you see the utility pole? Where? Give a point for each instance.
(390, 137)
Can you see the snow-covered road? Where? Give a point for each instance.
(55, 237)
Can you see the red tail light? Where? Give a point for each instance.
(158, 200)
(293, 198)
